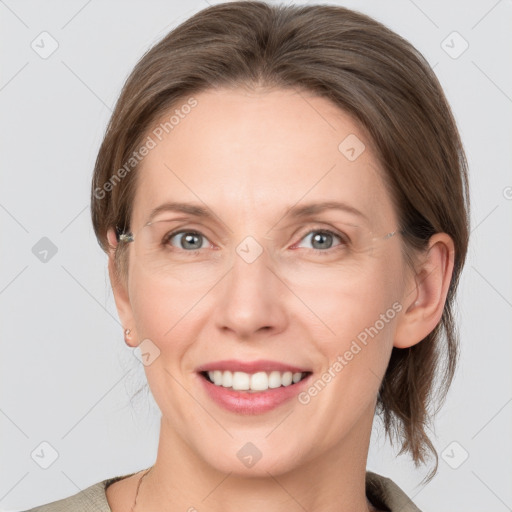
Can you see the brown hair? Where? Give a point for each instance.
(368, 71)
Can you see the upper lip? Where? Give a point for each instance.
(260, 365)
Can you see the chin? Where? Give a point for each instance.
(251, 455)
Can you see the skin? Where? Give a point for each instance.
(250, 155)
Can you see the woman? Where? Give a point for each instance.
(257, 134)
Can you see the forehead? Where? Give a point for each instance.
(242, 153)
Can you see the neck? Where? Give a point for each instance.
(334, 481)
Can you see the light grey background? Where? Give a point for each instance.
(66, 376)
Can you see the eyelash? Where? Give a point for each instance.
(344, 240)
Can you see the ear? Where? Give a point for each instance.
(121, 295)
(425, 296)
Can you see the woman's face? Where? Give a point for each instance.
(257, 281)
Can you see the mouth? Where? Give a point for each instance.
(255, 382)
(251, 387)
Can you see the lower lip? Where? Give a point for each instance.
(244, 402)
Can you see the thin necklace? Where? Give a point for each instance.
(372, 508)
(138, 486)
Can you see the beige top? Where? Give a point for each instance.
(382, 492)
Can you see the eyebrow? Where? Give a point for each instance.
(190, 209)
(306, 210)
(314, 208)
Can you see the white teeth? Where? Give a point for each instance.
(286, 379)
(241, 381)
(227, 379)
(274, 380)
(217, 377)
(259, 381)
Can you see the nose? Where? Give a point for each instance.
(252, 302)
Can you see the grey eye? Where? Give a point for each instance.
(189, 240)
(321, 239)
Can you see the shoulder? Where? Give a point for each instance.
(91, 499)
(381, 491)
(384, 494)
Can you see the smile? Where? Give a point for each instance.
(256, 382)
(251, 387)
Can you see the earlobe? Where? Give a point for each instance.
(424, 303)
(121, 296)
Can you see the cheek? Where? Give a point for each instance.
(161, 308)
(344, 302)
(163, 313)
(353, 328)
(152, 310)
(363, 326)
(356, 353)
